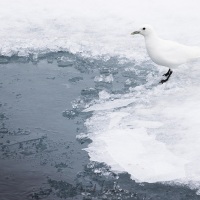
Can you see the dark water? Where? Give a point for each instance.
(40, 115)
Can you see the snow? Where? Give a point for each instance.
(151, 132)
(156, 138)
(92, 28)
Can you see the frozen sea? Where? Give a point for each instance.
(82, 113)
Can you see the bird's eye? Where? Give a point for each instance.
(144, 28)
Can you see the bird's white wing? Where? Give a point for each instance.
(177, 53)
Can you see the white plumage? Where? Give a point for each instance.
(167, 53)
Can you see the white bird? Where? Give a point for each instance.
(166, 53)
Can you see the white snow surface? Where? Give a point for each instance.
(153, 134)
(93, 28)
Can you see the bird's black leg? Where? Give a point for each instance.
(169, 74)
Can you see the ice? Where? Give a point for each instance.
(154, 137)
(102, 78)
(153, 131)
(22, 138)
(139, 154)
(93, 28)
(109, 105)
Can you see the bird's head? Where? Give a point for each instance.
(145, 30)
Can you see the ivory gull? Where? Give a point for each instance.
(166, 53)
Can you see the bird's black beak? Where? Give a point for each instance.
(135, 32)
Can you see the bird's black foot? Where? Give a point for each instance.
(169, 74)
(163, 81)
